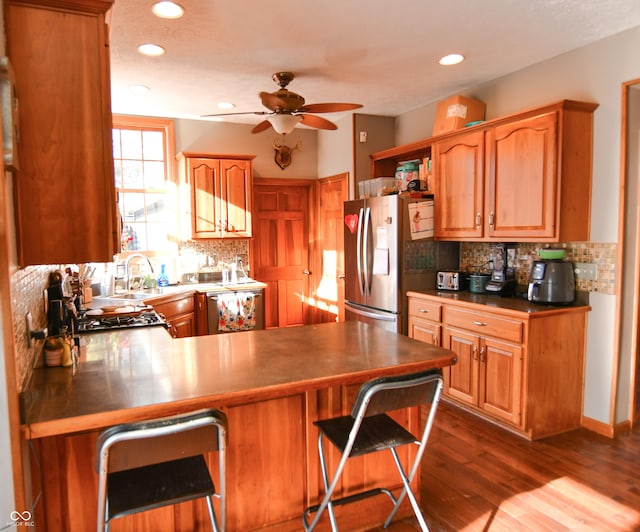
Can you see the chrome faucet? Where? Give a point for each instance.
(127, 266)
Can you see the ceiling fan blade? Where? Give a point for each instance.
(237, 114)
(318, 122)
(272, 102)
(329, 107)
(265, 124)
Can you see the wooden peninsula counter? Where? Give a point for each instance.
(271, 384)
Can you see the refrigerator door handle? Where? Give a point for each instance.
(373, 315)
(359, 252)
(365, 261)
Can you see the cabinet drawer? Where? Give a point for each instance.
(484, 324)
(173, 307)
(426, 310)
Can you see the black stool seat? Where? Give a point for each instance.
(376, 433)
(146, 488)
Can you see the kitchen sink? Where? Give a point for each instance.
(143, 294)
(131, 295)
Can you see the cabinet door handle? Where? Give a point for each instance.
(478, 220)
(475, 352)
(480, 323)
(491, 219)
(483, 355)
(435, 339)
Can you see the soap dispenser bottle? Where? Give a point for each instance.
(163, 280)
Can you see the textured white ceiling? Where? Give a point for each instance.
(380, 53)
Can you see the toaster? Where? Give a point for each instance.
(451, 280)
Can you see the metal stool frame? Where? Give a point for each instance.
(369, 429)
(150, 452)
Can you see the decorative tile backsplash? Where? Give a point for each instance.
(475, 256)
(27, 287)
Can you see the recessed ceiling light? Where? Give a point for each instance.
(151, 49)
(451, 59)
(139, 89)
(225, 105)
(167, 9)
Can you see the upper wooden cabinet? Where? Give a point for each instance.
(459, 167)
(64, 191)
(219, 194)
(524, 177)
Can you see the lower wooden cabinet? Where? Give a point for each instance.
(424, 320)
(522, 369)
(179, 311)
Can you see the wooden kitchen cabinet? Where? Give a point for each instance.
(519, 368)
(179, 311)
(524, 178)
(488, 374)
(64, 190)
(424, 321)
(458, 164)
(218, 200)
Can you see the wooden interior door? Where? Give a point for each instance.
(328, 284)
(280, 248)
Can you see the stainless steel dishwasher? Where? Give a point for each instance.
(213, 315)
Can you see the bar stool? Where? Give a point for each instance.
(369, 429)
(150, 464)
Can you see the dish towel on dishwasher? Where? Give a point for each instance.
(236, 312)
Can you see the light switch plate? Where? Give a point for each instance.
(586, 271)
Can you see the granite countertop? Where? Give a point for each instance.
(133, 374)
(516, 303)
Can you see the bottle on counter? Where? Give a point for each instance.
(163, 279)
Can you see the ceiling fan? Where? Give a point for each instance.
(287, 109)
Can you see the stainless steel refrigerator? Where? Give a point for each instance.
(386, 255)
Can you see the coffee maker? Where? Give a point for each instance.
(503, 279)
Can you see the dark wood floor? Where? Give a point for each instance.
(478, 477)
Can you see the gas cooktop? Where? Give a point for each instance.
(148, 318)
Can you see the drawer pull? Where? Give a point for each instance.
(480, 323)
(424, 310)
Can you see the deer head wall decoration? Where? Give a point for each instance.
(283, 152)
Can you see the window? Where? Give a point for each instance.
(142, 149)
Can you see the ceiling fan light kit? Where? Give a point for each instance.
(284, 123)
(287, 109)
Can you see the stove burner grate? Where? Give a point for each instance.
(144, 319)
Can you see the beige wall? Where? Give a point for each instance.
(592, 73)
(217, 137)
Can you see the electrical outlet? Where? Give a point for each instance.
(363, 136)
(586, 271)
